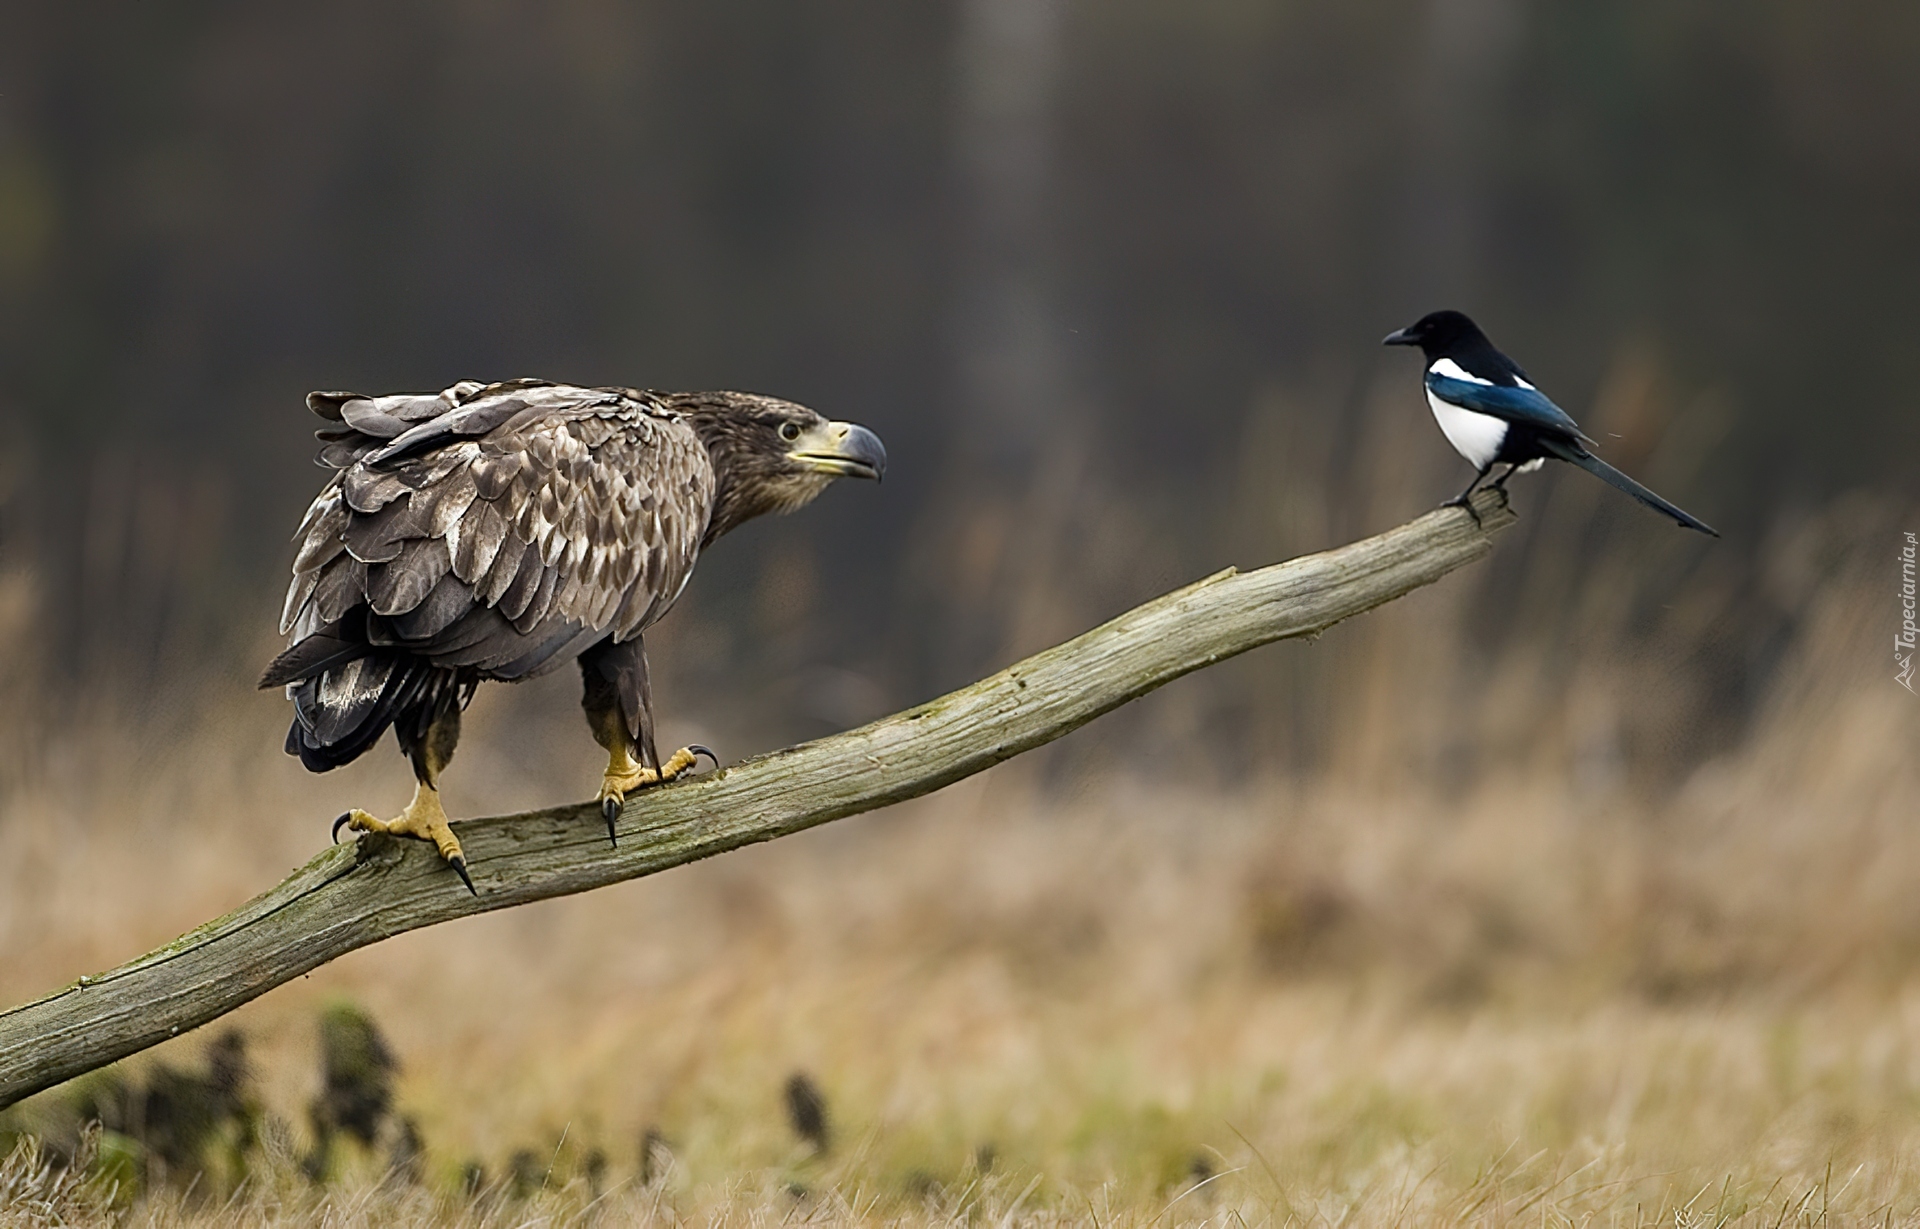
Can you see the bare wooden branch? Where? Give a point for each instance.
(354, 895)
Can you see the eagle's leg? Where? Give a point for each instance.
(430, 749)
(619, 705)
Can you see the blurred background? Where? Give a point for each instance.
(1109, 280)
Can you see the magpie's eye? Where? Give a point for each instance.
(789, 431)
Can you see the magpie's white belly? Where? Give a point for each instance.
(1477, 437)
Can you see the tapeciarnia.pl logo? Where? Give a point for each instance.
(1903, 642)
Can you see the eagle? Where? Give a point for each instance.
(500, 531)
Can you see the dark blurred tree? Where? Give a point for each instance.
(357, 1069)
(1078, 263)
(196, 1128)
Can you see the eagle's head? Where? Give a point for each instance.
(771, 455)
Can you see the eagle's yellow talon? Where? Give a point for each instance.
(625, 774)
(423, 819)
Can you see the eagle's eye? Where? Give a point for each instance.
(789, 431)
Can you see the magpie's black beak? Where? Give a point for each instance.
(1400, 337)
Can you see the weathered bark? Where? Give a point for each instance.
(353, 895)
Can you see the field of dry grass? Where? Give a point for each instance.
(1070, 991)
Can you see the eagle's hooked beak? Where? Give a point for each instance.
(843, 449)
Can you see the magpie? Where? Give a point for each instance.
(1492, 414)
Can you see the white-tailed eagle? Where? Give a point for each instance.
(499, 531)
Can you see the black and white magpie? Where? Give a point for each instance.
(1492, 414)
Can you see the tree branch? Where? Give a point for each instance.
(354, 895)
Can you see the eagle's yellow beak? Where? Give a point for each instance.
(843, 449)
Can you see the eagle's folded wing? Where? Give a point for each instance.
(501, 528)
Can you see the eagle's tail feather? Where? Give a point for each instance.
(1573, 454)
(323, 650)
(341, 711)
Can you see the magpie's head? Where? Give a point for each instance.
(1436, 333)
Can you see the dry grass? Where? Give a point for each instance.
(1538, 995)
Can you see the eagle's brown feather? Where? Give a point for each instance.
(513, 511)
(499, 531)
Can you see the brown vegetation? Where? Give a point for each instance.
(1579, 888)
(1076, 990)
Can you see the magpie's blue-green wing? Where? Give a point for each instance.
(1525, 406)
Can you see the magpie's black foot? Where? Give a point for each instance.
(1466, 502)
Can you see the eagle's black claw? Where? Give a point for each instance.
(610, 811)
(346, 817)
(699, 751)
(459, 865)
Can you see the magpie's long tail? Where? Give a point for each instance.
(1572, 453)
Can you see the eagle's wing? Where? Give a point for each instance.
(499, 528)
(1519, 404)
